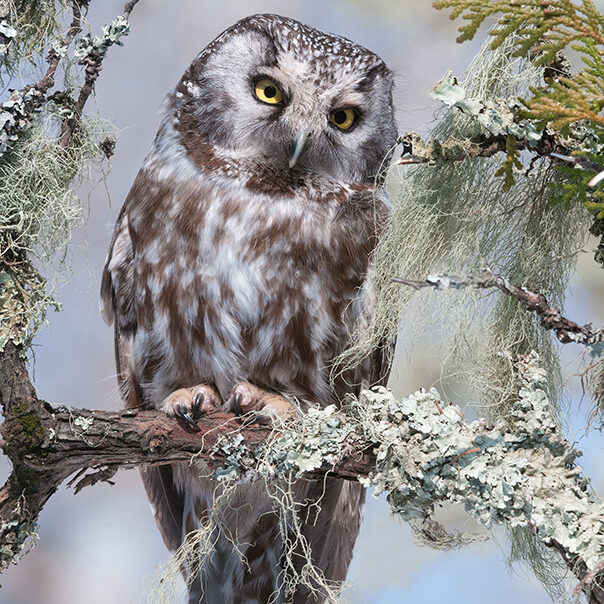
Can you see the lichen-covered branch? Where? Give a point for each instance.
(551, 317)
(91, 52)
(519, 471)
(500, 121)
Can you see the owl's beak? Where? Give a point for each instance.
(300, 141)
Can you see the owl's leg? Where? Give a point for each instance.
(189, 403)
(246, 397)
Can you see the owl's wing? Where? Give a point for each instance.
(118, 307)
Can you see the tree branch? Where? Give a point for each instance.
(551, 318)
(419, 450)
(91, 53)
(128, 8)
(417, 151)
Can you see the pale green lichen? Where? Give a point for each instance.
(38, 211)
(520, 473)
(38, 177)
(327, 437)
(98, 45)
(29, 27)
(455, 218)
(502, 117)
(83, 423)
(7, 34)
(498, 117)
(521, 477)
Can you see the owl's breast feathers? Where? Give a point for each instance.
(216, 278)
(227, 266)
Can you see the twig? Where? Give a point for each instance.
(551, 317)
(128, 8)
(417, 151)
(53, 59)
(25, 102)
(94, 54)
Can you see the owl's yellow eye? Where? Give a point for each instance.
(343, 118)
(268, 92)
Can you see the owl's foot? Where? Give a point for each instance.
(268, 406)
(189, 403)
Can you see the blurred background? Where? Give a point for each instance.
(102, 545)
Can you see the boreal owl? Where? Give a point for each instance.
(237, 274)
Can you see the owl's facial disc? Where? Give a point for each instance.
(274, 93)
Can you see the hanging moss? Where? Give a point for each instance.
(38, 211)
(32, 25)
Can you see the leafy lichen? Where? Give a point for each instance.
(522, 474)
(521, 477)
(99, 45)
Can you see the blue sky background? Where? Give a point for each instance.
(102, 545)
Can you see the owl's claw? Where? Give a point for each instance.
(188, 403)
(187, 418)
(197, 402)
(237, 403)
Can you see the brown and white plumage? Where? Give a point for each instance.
(228, 266)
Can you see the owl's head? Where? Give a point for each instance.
(274, 92)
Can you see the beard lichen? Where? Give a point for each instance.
(38, 211)
(454, 217)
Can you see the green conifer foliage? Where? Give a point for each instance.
(568, 104)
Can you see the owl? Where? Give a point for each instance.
(237, 275)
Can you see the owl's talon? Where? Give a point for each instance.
(237, 403)
(189, 403)
(197, 402)
(187, 418)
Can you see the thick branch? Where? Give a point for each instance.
(418, 450)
